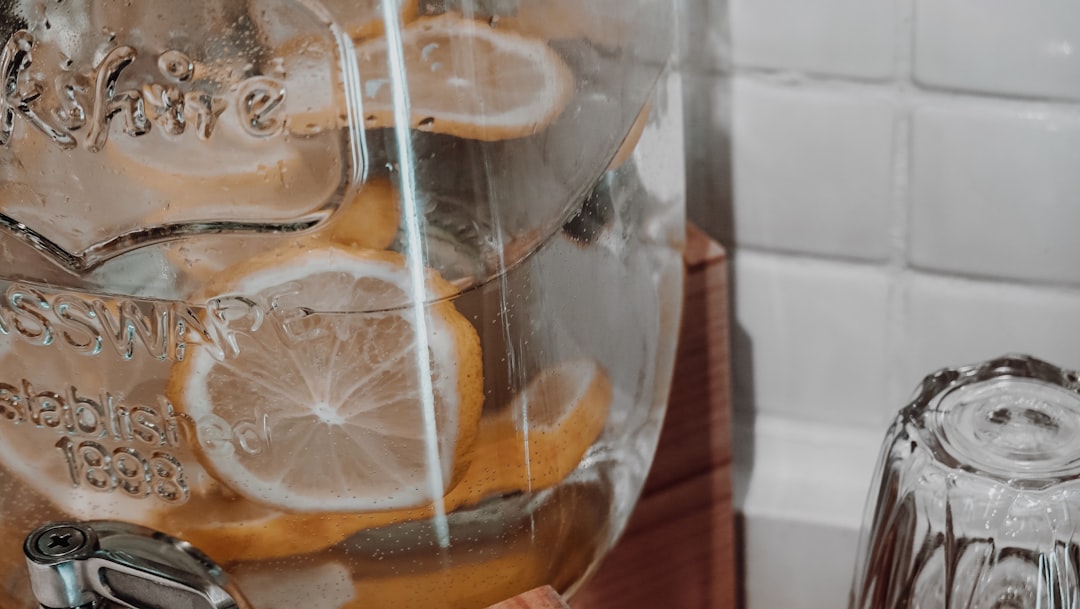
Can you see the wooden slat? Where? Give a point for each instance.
(539, 598)
(678, 551)
(696, 437)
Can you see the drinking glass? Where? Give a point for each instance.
(365, 303)
(976, 493)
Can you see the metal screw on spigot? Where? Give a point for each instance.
(77, 565)
(60, 540)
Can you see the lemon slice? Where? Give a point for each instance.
(469, 585)
(569, 404)
(630, 142)
(540, 439)
(573, 20)
(368, 219)
(231, 175)
(231, 528)
(364, 18)
(323, 586)
(467, 79)
(340, 398)
(560, 534)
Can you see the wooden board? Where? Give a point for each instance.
(540, 598)
(678, 550)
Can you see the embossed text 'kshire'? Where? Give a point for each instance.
(89, 102)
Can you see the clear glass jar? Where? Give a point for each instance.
(375, 304)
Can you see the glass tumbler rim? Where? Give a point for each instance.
(1014, 419)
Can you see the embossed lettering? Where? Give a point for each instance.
(168, 478)
(215, 434)
(147, 425)
(18, 96)
(130, 322)
(97, 466)
(72, 89)
(29, 321)
(206, 109)
(125, 465)
(108, 102)
(162, 330)
(176, 66)
(232, 317)
(180, 428)
(122, 430)
(67, 447)
(186, 322)
(45, 408)
(88, 416)
(293, 325)
(100, 417)
(175, 108)
(75, 319)
(124, 468)
(167, 101)
(131, 471)
(11, 405)
(260, 99)
(93, 99)
(253, 435)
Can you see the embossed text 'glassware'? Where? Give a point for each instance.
(977, 494)
(374, 302)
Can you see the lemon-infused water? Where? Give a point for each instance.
(99, 422)
(417, 363)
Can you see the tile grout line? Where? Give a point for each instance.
(835, 83)
(908, 272)
(898, 315)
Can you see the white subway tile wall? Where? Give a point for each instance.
(954, 321)
(1029, 48)
(818, 333)
(898, 183)
(844, 37)
(812, 169)
(995, 190)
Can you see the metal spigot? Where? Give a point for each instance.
(94, 565)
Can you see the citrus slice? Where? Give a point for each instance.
(229, 528)
(555, 538)
(540, 439)
(230, 175)
(573, 20)
(368, 219)
(568, 405)
(467, 79)
(363, 19)
(632, 138)
(335, 407)
(469, 585)
(322, 586)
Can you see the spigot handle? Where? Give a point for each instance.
(91, 564)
